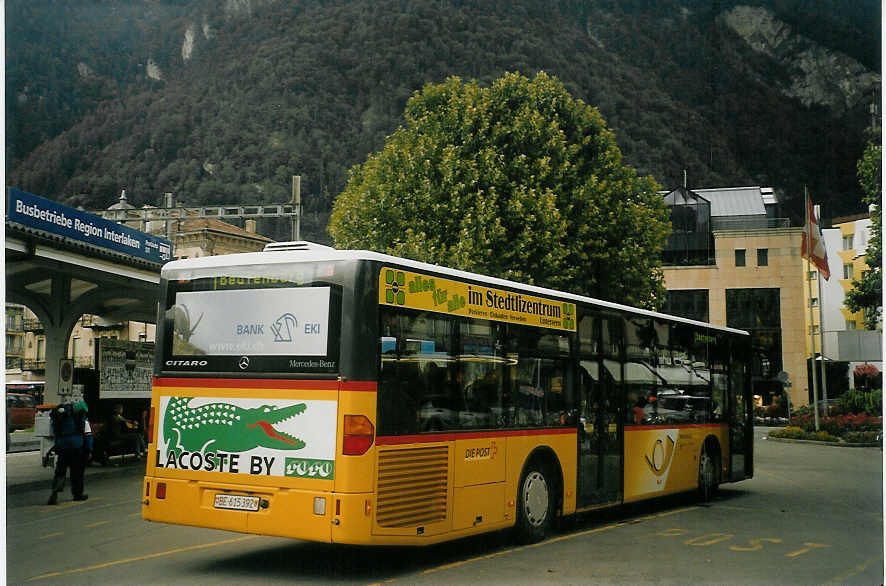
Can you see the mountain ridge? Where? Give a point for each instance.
(266, 90)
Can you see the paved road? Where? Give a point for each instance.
(812, 515)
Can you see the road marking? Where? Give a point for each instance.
(51, 535)
(842, 578)
(709, 539)
(558, 539)
(141, 558)
(809, 547)
(96, 524)
(755, 544)
(674, 532)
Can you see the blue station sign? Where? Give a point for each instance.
(44, 214)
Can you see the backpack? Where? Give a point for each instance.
(65, 423)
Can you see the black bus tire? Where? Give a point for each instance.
(535, 503)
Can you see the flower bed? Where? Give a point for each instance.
(852, 428)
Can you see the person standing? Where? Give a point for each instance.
(73, 443)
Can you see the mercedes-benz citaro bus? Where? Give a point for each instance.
(354, 397)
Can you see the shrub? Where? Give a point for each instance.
(789, 432)
(793, 432)
(857, 401)
(839, 424)
(861, 437)
(822, 436)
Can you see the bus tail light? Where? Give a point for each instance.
(359, 434)
(151, 427)
(161, 490)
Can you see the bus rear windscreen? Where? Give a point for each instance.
(241, 328)
(269, 322)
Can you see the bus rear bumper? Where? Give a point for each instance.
(311, 515)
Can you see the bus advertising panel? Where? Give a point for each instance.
(417, 291)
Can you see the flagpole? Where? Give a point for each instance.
(812, 346)
(809, 265)
(824, 371)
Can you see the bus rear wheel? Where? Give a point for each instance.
(707, 475)
(535, 508)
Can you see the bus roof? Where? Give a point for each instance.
(296, 252)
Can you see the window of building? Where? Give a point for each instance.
(41, 349)
(848, 272)
(762, 257)
(850, 324)
(812, 276)
(848, 242)
(692, 304)
(740, 260)
(758, 311)
(813, 302)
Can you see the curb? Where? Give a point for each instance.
(90, 474)
(787, 440)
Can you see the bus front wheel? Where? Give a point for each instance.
(535, 509)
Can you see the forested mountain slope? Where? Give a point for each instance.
(222, 101)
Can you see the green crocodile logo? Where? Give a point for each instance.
(222, 427)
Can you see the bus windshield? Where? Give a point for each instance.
(246, 323)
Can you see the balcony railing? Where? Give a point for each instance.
(32, 324)
(32, 364)
(100, 323)
(750, 223)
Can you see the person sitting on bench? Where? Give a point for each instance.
(125, 430)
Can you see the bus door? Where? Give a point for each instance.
(600, 434)
(740, 428)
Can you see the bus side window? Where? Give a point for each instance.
(481, 376)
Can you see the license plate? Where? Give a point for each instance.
(237, 502)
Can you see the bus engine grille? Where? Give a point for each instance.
(412, 486)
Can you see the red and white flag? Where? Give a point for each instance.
(813, 242)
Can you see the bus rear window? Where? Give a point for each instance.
(249, 327)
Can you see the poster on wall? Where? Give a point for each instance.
(125, 369)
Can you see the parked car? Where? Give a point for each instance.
(20, 410)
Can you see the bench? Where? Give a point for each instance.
(106, 447)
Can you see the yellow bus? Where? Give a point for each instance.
(355, 397)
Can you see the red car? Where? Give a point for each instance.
(20, 411)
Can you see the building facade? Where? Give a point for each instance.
(740, 266)
(841, 337)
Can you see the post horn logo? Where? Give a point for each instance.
(659, 457)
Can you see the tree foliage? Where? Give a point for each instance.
(867, 293)
(518, 180)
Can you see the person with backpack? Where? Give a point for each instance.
(73, 443)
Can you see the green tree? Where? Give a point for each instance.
(518, 180)
(867, 293)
